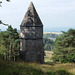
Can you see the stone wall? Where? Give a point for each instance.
(33, 50)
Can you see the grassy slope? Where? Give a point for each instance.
(21, 68)
(48, 55)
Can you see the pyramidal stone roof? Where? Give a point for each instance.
(31, 17)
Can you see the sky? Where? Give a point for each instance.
(56, 15)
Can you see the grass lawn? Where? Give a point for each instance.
(24, 68)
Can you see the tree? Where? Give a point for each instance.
(4, 44)
(13, 42)
(3, 23)
(48, 44)
(64, 47)
(9, 43)
(0, 20)
(47, 47)
(1, 2)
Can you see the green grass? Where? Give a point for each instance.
(24, 68)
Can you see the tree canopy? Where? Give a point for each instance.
(64, 47)
(1, 2)
(48, 44)
(9, 43)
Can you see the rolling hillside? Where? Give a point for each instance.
(51, 35)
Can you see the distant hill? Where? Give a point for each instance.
(51, 35)
(58, 33)
(49, 38)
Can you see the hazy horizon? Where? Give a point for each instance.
(49, 30)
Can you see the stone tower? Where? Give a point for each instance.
(31, 44)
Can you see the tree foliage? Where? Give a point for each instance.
(64, 47)
(9, 43)
(51, 35)
(48, 44)
(2, 0)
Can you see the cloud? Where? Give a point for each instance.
(52, 12)
(58, 7)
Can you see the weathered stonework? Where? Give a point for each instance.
(31, 44)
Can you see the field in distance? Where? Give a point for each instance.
(52, 33)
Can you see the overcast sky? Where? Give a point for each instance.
(56, 15)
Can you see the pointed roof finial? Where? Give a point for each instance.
(31, 17)
(31, 3)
